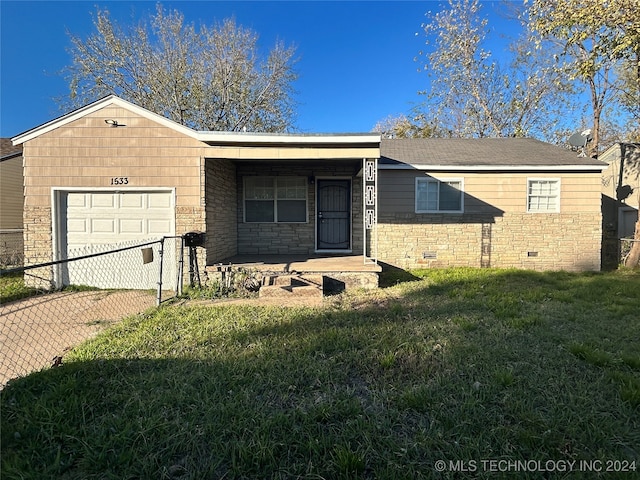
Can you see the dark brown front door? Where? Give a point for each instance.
(334, 214)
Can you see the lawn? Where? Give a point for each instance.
(467, 366)
(12, 288)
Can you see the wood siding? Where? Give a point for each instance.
(490, 192)
(11, 202)
(495, 228)
(89, 153)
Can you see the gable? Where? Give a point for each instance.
(88, 110)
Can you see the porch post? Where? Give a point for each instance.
(370, 208)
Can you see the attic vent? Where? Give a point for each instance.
(532, 254)
(429, 255)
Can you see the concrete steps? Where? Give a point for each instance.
(290, 286)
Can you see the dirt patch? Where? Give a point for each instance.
(36, 330)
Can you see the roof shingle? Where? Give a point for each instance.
(7, 149)
(486, 152)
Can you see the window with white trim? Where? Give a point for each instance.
(543, 195)
(439, 196)
(275, 199)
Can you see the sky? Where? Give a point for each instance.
(356, 58)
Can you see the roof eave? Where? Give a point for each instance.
(287, 139)
(209, 137)
(94, 107)
(493, 168)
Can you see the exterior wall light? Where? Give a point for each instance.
(113, 123)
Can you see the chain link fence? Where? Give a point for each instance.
(11, 248)
(48, 308)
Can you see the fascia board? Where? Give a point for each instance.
(234, 138)
(94, 107)
(494, 168)
(244, 138)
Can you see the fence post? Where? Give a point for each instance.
(180, 268)
(159, 297)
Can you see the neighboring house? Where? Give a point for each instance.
(11, 201)
(112, 172)
(620, 197)
(621, 188)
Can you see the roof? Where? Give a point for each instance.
(8, 150)
(480, 154)
(209, 137)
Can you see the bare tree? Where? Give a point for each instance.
(401, 126)
(207, 78)
(474, 95)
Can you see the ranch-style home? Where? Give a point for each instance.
(112, 172)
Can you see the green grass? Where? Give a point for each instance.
(458, 365)
(12, 288)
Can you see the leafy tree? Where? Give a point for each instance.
(472, 94)
(629, 94)
(595, 36)
(207, 78)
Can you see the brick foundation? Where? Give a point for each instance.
(530, 241)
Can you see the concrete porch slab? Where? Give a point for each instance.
(301, 263)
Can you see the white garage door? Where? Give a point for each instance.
(93, 222)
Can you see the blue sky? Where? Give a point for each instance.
(356, 57)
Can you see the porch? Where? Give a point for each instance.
(290, 273)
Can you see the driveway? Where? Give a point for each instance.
(36, 330)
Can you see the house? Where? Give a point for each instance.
(621, 188)
(112, 171)
(11, 199)
(620, 197)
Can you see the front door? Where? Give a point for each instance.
(334, 214)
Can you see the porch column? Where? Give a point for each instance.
(370, 209)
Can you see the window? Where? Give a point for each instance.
(275, 199)
(543, 195)
(439, 196)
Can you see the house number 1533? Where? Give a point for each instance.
(119, 180)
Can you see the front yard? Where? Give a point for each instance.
(452, 370)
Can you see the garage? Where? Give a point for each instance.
(91, 222)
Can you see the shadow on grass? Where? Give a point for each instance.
(443, 371)
(392, 275)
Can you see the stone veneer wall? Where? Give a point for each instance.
(220, 195)
(38, 245)
(559, 241)
(295, 238)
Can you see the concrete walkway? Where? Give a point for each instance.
(36, 330)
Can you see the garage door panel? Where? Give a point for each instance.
(78, 200)
(157, 200)
(103, 200)
(130, 226)
(103, 225)
(133, 200)
(159, 227)
(78, 225)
